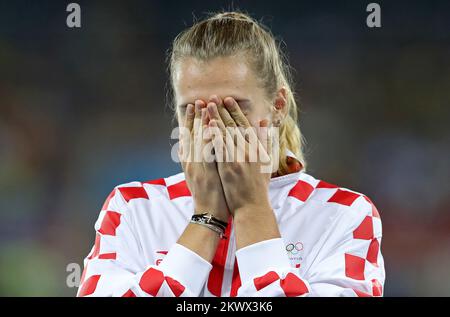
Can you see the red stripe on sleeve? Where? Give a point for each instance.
(293, 286)
(372, 253)
(266, 279)
(323, 184)
(178, 190)
(176, 287)
(160, 181)
(215, 278)
(361, 294)
(377, 289)
(110, 222)
(364, 230)
(89, 286)
(151, 281)
(129, 293)
(343, 197)
(354, 267)
(302, 190)
(107, 256)
(130, 193)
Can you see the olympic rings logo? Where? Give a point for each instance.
(294, 248)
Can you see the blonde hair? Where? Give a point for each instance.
(230, 33)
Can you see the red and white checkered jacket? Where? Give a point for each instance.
(330, 245)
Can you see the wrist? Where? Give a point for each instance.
(200, 240)
(251, 210)
(255, 225)
(219, 213)
(209, 221)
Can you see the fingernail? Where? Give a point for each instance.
(228, 101)
(198, 104)
(214, 99)
(190, 108)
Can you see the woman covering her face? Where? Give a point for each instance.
(244, 218)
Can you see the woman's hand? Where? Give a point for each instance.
(203, 181)
(202, 176)
(245, 185)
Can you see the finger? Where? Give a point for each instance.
(220, 149)
(189, 120)
(208, 153)
(205, 117)
(227, 130)
(226, 117)
(199, 104)
(223, 112)
(213, 113)
(186, 129)
(236, 113)
(264, 141)
(185, 132)
(196, 133)
(207, 145)
(204, 113)
(234, 140)
(180, 156)
(205, 121)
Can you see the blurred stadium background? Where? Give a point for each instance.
(82, 110)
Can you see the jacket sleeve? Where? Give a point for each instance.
(348, 264)
(115, 265)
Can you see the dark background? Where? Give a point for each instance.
(82, 110)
